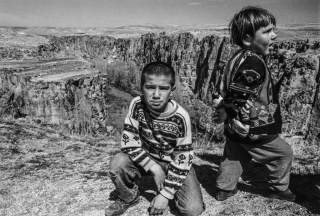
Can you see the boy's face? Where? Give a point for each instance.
(157, 91)
(262, 40)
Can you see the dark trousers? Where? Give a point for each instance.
(276, 155)
(124, 174)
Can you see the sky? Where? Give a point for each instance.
(116, 13)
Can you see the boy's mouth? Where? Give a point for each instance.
(155, 103)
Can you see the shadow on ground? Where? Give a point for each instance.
(147, 188)
(254, 182)
(206, 173)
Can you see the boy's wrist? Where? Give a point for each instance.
(166, 194)
(155, 167)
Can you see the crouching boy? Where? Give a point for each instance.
(156, 140)
(250, 101)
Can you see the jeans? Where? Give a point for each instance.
(124, 173)
(276, 155)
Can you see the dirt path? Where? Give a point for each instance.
(43, 172)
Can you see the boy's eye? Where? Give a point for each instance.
(164, 88)
(150, 87)
(270, 30)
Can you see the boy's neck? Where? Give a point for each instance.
(263, 57)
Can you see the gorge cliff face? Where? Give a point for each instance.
(84, 101)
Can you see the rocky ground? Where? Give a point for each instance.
(46, 172)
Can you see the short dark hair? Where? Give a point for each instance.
(248, 21)
(158, 69)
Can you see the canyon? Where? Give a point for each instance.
(64, 79)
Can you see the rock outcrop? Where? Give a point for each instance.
(81, 103)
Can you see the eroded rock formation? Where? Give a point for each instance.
(84, 103)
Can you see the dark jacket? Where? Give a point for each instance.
(247, 85)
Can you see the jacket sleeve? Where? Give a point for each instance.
(244, 88)
(130, 140)
(182, 161)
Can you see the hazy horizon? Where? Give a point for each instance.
(117, 13)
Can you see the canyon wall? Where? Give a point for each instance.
(86, 103)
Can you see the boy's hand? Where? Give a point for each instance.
(158, 205)
(219, 116)
(158, 175)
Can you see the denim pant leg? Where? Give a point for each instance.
(188, 198)
(277, 156)
(124, 175)
(235, 157)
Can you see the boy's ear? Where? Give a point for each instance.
(247, 40)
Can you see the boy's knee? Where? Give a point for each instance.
(288, 153)
(191, 209)
(118, 162)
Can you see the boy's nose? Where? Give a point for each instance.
(274, 36)
(156, 93)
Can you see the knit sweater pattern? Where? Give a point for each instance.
(149, 136)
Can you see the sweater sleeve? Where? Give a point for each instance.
(182, 161)
(130, 140)
(244, 87)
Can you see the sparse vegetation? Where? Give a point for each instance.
(122, 75)
(47, 172)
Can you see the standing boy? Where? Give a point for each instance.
(250, 108)
(156, 139)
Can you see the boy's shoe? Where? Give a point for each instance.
(119, 207)
(222, 195)
(283, 195)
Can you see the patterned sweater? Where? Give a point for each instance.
(149, 136)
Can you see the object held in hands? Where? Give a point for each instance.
(219, 113)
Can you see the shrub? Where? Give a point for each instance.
(122, 75)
